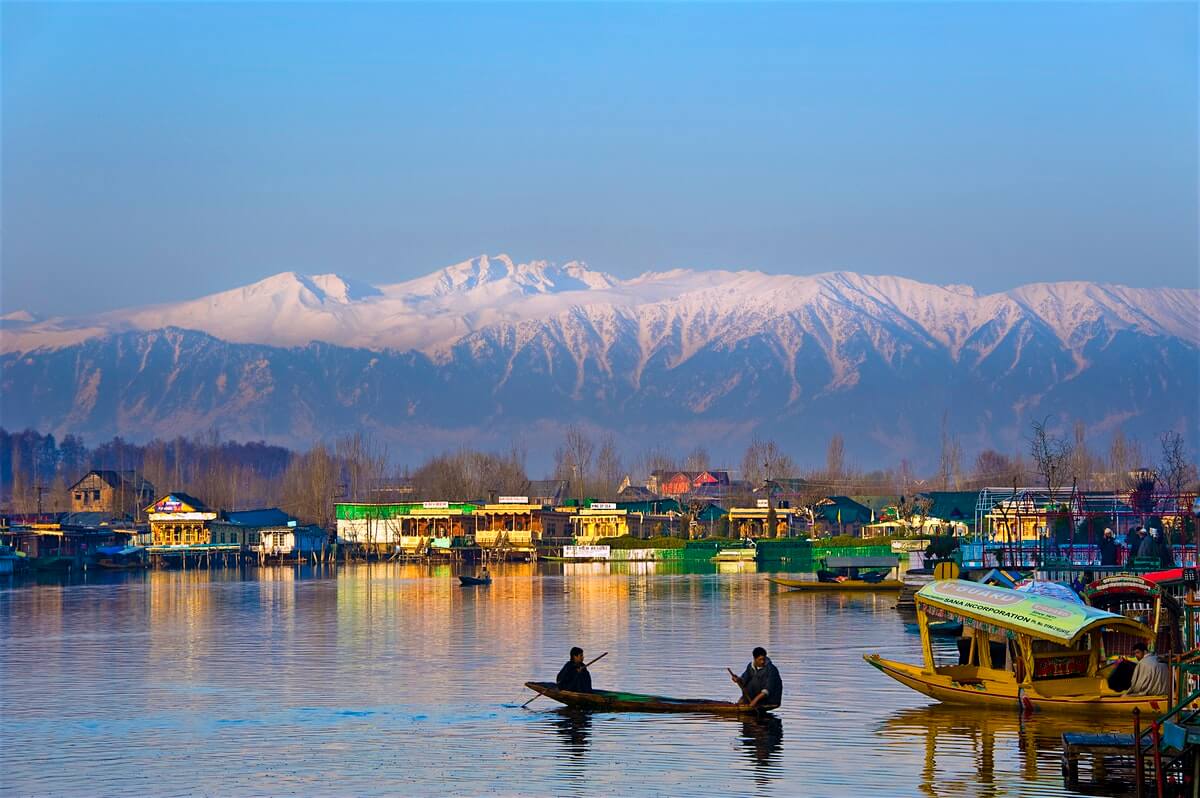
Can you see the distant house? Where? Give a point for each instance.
(549, 492)
(681, 483)
(116, 493)
(178, 519)
(635, 493)
(246, 527)
(841, 515)
(292, 541)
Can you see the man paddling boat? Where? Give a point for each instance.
(762, 686)
(574, 676)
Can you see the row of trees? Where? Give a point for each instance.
(36, 470)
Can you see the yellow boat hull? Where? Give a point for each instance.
(998, 689)
(849, 584)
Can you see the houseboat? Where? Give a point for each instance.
(1026, 651)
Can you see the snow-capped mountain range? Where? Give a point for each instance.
(489, 345)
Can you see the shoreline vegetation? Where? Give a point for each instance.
(37, 470)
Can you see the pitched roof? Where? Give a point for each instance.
(555, 489)
(636, 493)
(268, 516)
(952, 505)
(843, 510)
(115, 479)
(183, 498)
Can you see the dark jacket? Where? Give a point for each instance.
(574, 677)
(1147, 548)
(755, 680)
(1108, 551)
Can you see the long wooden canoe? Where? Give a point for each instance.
(611, 701)
(848, 584)
(468, 581)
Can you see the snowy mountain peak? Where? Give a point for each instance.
(498, 274)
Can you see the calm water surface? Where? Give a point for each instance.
(393, 680)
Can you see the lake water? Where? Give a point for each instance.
(391, 679)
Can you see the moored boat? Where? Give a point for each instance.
(846, 585)
(470, 581)
(614, 701)
(1027, 651)
(849, 573)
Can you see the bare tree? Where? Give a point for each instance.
(1081, 464)
(1124, 456)
(608, 468)
(835, 459)
(697, 460)
(1051, 455)
(949, 463)
(765, 460)
(573, 460)
(1175, 472)
(912, 510)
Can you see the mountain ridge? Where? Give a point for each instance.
(490, 345)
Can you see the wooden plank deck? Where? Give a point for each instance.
(1097, 747)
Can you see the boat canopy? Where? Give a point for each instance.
(861, 562)
(998, 608)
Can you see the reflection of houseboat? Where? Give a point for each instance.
(1025, 650)
(1142, 601)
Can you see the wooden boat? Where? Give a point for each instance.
(1026, 651)
(612, 701)
(471, 581)
(1144, 601)
(849, 573)
(847, 585)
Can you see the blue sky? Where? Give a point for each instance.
(163, 151)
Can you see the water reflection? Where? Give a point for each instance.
(762, 739)
(338, 680)
(574, 727)
(1004, 747)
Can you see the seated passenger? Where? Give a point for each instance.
(1150, 677)
(574, 675)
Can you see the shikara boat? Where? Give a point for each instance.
(1026, 651)
(612, 701)
(471, 581)
(1144, 601)
(849, 573)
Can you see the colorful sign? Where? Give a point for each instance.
(168, 505)
(1040, 616)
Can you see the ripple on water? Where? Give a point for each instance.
(390, 679)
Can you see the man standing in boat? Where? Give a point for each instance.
(762, 686)
(574, 676)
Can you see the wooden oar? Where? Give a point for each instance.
(586, 665)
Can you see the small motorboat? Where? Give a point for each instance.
(472, 581)
(613, 701)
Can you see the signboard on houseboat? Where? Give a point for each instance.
(603, 505)
(514, 500)
(585, 552)
(435, 505)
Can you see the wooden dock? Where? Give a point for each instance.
(1101, 750)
